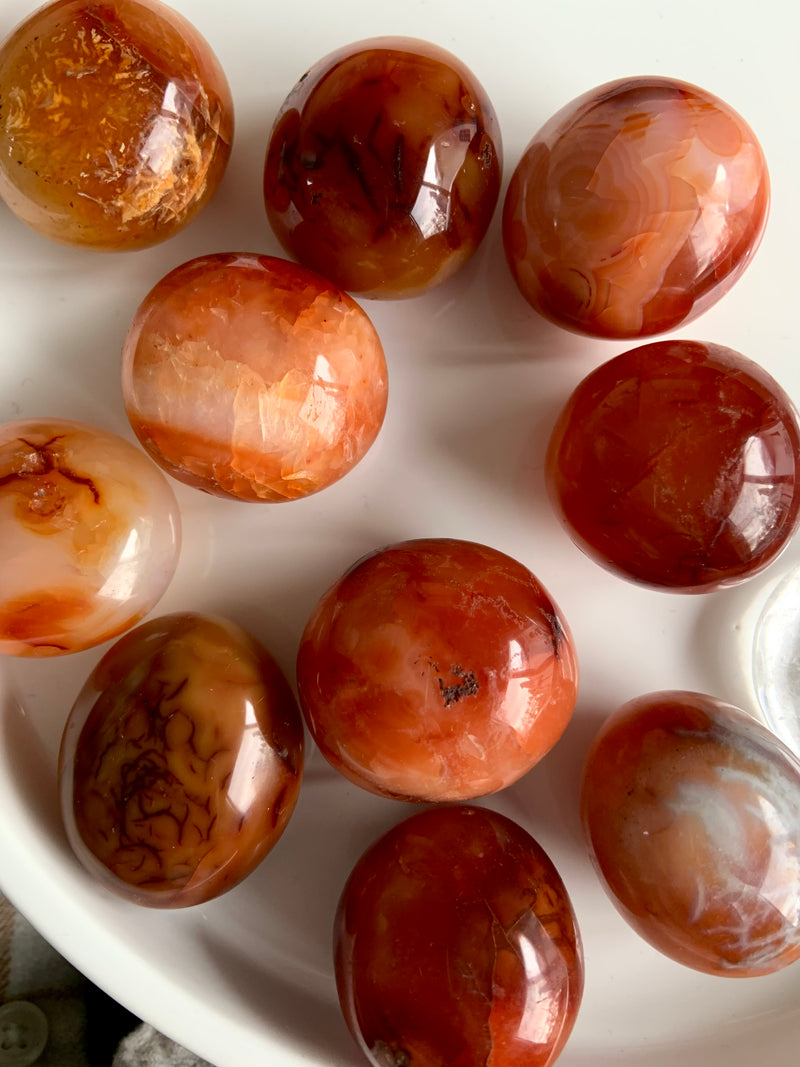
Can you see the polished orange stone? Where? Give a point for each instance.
(677, 464)
(436, 670)
(116, 122)
(250, 377)
(692, 812)
(635, 208)
(456, 943)
(383, 167)
(180, 762)
(89, 536)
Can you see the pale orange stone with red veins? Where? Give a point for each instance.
(116, 122)
(90, 533)
(635, 208)
(250, 377)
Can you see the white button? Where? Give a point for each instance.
(23, 1033)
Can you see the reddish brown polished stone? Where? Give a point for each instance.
(456, 943)
(677, 464)
(436, 670)
(383, 167)
(89, 536)
(250, 377)
(180, 762)
(115, 122)
(692, 812)
(635, 208)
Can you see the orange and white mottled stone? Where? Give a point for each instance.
(635, 208)
(116, 122)
(250, 377)
(90, 535)
(692, 813)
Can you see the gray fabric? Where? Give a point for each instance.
(146, 1047)
(31, 970)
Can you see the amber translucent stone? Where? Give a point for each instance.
(180, 762)
(115, 122)
(383, 167)
(692, 812)
(250, 377)
(456, 943)
(677, 464)
(89, 536)
(436, 670)
(635, 208)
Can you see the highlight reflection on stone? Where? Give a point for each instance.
(635, 208)
(90, 534)
(677, 464)
(250, 377)
(692, 812)
(456, 943)
(115, 122)
(383, 167)
(436, 670)
(181, 761)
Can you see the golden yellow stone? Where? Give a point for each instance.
(116, 122)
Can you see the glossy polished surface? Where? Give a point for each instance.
(677, 464)
(115, 122)
(477, 381)
(383, 167)
(90, 535)
(635, 208)
(692, 811)
(181, 761)
(456, 943)
(250, 377)
(436, 670)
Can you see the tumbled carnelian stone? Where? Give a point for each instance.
(180, 762)
(692, 812)
(116, 122)
(90, 535)
(436, 670)
(635, 208)
(383, 167)
(250, 377)
(677, 464)
(456, 943)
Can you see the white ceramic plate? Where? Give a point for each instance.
(476, 381)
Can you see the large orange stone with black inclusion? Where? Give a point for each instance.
(383, 167)
(677, 464)
(436, 670)
(635, 208)
(116, 122)
(456, 943)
